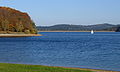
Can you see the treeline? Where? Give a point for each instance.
(68, 27)
(12, 20)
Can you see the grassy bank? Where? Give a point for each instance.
(5, 67)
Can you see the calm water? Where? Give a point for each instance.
(70, 49)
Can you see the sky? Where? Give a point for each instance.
(76, 12)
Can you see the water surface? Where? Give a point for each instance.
(70, 49)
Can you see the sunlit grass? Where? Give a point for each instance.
(5, 67)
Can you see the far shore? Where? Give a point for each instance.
(75, 31)
(19, 35)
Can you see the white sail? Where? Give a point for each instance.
(92, 32)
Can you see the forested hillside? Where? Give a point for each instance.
(12, 21)
(68, 27)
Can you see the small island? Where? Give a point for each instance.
(14, 23)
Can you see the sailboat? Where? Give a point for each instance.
(92, 32)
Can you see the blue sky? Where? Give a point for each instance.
(78, 12)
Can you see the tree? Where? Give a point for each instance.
(5, 25)
(19, 27)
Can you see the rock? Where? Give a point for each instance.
(12, 20)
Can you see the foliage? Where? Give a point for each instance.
(15, 21)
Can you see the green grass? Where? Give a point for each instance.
(5, 67)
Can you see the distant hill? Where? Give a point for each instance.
(14, 21)
(68, 27)
(117, 28)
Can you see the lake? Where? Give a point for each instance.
(69, 49)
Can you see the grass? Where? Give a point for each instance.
(6, 67)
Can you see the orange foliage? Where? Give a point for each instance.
(15, 18)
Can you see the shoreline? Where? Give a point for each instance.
(19, 35)
(90, 69)
(75, 31)
(84, 69)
